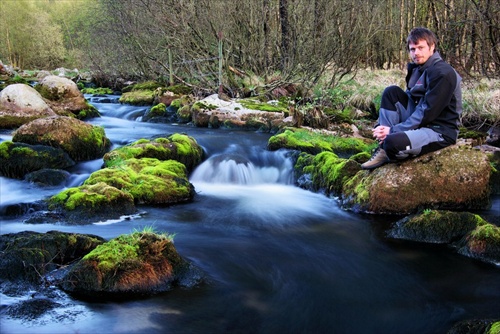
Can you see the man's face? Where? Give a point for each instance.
(420, 51)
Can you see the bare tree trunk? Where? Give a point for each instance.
(285, 33)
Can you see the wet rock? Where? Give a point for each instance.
(65, 98)
(28, 256)
(148, 180)
(471, 235)
(91, 203)
(435, 226)
(455, 178)
(82, 141)
(177, 147)
(20, 104)
(476, 326)
(483, 243)
(48, 177)
(19, 159)
(141, 263)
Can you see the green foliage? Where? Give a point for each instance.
(96, 91)
(495, 328)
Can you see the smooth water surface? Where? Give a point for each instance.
(278, 259)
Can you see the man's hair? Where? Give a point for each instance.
(417, 34)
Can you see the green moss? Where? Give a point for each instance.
(487, 232)
(24, 151)
(126, 249)
(200, 105)
(316, 142)
(158, 110)
(495, 328)
(97, 91)
(257, 105)
(5, 147)
(90, 196)
(138, 97)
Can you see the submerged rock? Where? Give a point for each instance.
(141, 263)
(82, 141)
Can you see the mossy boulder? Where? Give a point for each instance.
(148, 180)
(179, 147)
(476, 326)
(482, 243)
(140, 94)
(324, 172)
(158, 111)
(470, 234)
(136, 264)
(30, 255)
(456, 178)
(82, 141)
(48, 177)
(19, 159)
(20, 104)
(64, 97)
(436, 226)
(91, 203)
(314, 142)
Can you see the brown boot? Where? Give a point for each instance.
(378, 159)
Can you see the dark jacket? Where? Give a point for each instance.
(435, 99)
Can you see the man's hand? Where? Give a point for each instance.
(380, 132)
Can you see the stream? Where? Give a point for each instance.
(278, 259)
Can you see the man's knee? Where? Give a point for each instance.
(392, 95)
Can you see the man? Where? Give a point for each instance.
(425, 117)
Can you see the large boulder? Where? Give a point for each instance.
(82, 141)
(141, 263)
(456, 177)
(65, 98)
(19, 159)
(20, 104)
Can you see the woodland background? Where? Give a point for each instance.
(309, 42)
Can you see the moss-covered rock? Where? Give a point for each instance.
(314, 142)
(92, 202)
(65, 98)
(82, 141)
(326, 172)
(456, 177)
(19, 159)
(141, 263)
(30, 255)
(148, 180)
(476, 326)
(436, 226)
(179, 147)
(138, 97)
(20, 104)
(482, 243)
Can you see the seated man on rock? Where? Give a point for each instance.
(425, 117)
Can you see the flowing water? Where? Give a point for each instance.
(278, 259)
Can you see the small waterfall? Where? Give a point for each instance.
(262, 167)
